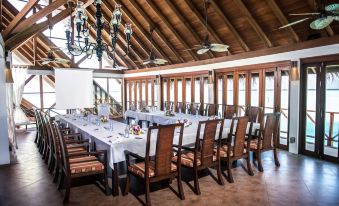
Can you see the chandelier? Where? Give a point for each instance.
(77, 46)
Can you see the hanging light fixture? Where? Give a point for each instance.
(82, 27)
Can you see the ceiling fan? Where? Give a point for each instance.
(323, 16)
(207, 45)
(50, 57)
(115, 67)
(152, 59)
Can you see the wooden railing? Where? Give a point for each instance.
(100, 94)
(330, 137)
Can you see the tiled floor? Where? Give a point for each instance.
(299, 181)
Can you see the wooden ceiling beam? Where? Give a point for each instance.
(253, 23)
(282, 18)
(106, 38)
(329, 30)
(156, 29)
(19, 17)
(202, 21)
(230, 26)
(186, 24)
(169, 26)
(29, 32)
(143, 32)
(39, 15)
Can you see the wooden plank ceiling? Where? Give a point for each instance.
(245, 25)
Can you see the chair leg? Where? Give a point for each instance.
(68, 188)
(180, 189)
(258, 154)
(220, 179)
(276, 160)
(106, 182)
(229, 172)
(61, 180)
(56, 173)
(196, 182)
(249, 166)
(128, 184)
(147, 191)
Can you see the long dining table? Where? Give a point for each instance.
(116, 143)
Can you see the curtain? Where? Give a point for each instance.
(19, 76)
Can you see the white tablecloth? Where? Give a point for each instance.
(114, 141)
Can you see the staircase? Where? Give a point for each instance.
(101, 94)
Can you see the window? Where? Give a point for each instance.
(179, 82)
(188, 90)
(197, 90)
(229, 92)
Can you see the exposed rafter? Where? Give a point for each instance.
(143, 32)
(18, 18)
(253, 23)
(39, 15)
(202, 21)
(186, 24)
(229, 25)
(169, 26)
(29, 32)
(282, 18)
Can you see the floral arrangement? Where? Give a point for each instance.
(103, 119)
(213, 118)
(136, 130)
(145, 110)
(169, 113)
(186, 122)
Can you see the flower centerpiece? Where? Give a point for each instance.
(103, 119)
(169, 113)
(145, 110)
(136, 130)
(186, 122)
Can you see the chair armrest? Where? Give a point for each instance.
(77, 141)
(128, 153)
(73, 135)
(188, 148)
(95, 153)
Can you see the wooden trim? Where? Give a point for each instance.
(245, 55)
(327, 58)
(139, 78)
(183, 74)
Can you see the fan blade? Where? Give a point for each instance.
(219, 47)
(321, 23)
(202, 51)
(159, 61)
(190, 49)
(147, 62)
(46, 62)
(294, 23)
(333, 8)
(305, 14)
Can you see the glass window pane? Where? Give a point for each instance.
(255, 89)
(197, 90)
(33, 99)
(115, 89)
(229, 92)
(132, 91)
(127, 95)
(149, 92)
(48, 84)
(285, 80)
(143, 88)
(207, 92)
(138, 94)
(179, 90)
(49, 99)
(165, 89)
(269, 92)
(188, 91)
(242, 94)
(172, 90)
(33, 85)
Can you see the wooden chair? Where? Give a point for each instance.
(211, 110)
(37, 123)
(161, 167)
(182, 106)
(75, 145)
(229, 111)
(235, 149)
(202, 155)
(193, 110)
(253, 113)
(267, 139)
(81, 165)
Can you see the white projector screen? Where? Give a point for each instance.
(74, 88)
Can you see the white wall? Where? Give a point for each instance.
(4, 146)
